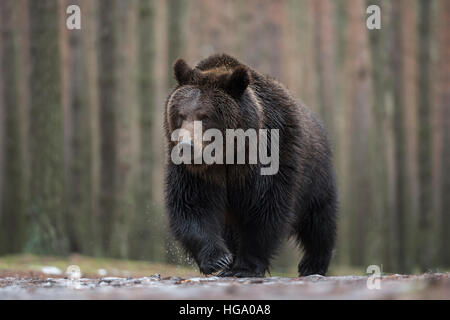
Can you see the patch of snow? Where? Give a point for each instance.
(102, 272)
(51, 270)
(198, 279)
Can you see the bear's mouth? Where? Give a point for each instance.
(194, 153)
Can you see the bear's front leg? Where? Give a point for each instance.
(260, 236)
(200, 236)
(258, 242)
(195, 209)
(212, 257)
(262, 229)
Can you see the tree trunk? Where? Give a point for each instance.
(108, 97)
(16, 104)
(381, 233)
(91, 86)
(175, 45)
(119, 114)
(2, 137)
(324, 17)
(47, 207)
(425, 247)
(175, 35)
(359, 126)
(403, 193)
(444, 107)
(80, 135)
(145, 241)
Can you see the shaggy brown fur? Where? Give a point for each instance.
(231, 218)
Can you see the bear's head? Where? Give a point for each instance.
(212, 97)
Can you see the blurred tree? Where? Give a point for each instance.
(108, 101)
(2, 135)
(379, 42)
(176, 37)
(359, 129)
(296, 31)
(341, 149)
(444, 107)
(128, 149)
(259, 32)
(47, 205)
(176, 14)
(325, 46)
(119, 125)
(92, 113)
(409, 58)
(410, 64)
(403, 88)
(81, 147)
(424, 246)
(145, 239)
(15, 91)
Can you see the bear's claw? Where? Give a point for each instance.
(220, 264)
(225, 261)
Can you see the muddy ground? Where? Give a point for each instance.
(40, 286)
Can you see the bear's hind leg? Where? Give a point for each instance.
(317, 234)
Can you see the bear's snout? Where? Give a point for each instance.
(185, 143)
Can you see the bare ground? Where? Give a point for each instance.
(35, 285)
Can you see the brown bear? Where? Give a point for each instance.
(230, 217)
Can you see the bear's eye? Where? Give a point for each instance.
(179, 119)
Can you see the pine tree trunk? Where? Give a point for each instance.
(108, 101)
(444, 107)
(119, 114)
(424, 246)
(80, 135)
(381, 232)
(402, 190)
(91, 245)
(47, 207)
(146, 238)
(2, 137)
(359, 126)
(175, 46)
(15, 90)
(324, 17)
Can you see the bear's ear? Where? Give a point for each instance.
(183, 72)
(237, 82)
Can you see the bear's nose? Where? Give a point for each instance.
(185, 142)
